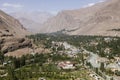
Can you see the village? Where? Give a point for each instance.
(112, 65)
(68, 62)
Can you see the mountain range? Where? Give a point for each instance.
(100, 19)
(32, 20)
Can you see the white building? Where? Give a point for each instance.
(66, 65)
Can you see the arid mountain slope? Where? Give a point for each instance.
(12, 38)
(9, 25)
(12, 34)
(100, 19)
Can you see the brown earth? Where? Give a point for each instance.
(12, 37)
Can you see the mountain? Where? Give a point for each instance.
(12, 35)
(32, 20)
(100, 19)
(11, 26)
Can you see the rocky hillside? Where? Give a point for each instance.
(100, 19)
(10, 26)
(12, 34)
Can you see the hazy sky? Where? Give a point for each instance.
(44, 5)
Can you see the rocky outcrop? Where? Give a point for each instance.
(10, 45)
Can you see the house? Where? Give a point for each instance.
(118, 63)
(5, 63)
(107, 39)
(114, 67)
(66, 65)
(102, 60)
(117, 59)
(107, 50)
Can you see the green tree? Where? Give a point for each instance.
(102, 67)
(11, 74)
(1, 57)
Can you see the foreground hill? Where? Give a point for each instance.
(12, 38)
(10, 26)
(100, 19)
(12, 34)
